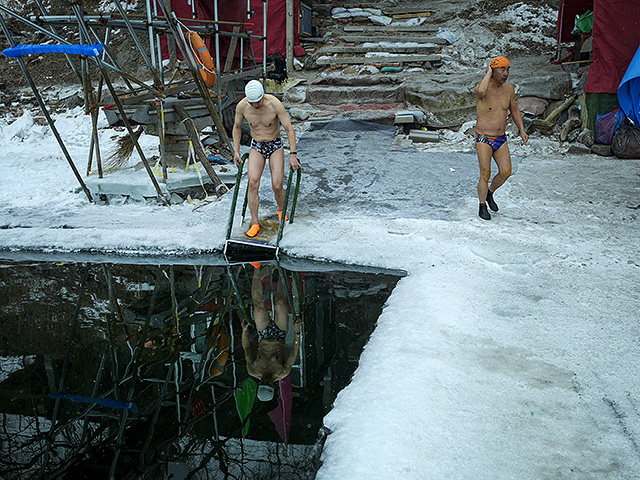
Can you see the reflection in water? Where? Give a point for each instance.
(186, 371)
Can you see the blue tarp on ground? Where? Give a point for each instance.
(629, 90)
(23, 49)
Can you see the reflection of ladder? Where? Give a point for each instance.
(258, 249)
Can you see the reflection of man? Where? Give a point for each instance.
(266, 358)
(264, 113)
(494, 97)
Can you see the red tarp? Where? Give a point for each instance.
(228, 11)
(281, 415)
(276, 27)
(235, 11)
(567, 18)
(616, 37)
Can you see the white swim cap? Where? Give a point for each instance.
(265, 393)
(254, 91)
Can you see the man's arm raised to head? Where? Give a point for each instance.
(483, 86)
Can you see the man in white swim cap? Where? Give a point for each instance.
(264, 114)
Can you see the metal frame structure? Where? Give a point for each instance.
(151, 25)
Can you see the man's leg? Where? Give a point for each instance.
(503, 160)
(276, 166)
(260, 314)
(485, 153)
(281, 309)
(255, 169)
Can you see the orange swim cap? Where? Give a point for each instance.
(500, 62)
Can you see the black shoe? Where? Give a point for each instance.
(483, 212)
(492, 205)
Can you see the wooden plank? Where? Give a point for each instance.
(431, 48)
(391, 28)
(407, 11)
(392, 38)
(232, 49)
(376, 60)
(411, 15)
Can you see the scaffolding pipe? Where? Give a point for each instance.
(125, 120)
(204, 91)
(217, 38)
(69, 59)
(137, 42)
(61, 40)
(151, 38)
(264, 42)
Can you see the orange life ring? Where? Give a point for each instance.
(218, 347)
(204, 62)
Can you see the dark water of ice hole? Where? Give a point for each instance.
(138, 371)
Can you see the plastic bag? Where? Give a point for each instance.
(607, 124)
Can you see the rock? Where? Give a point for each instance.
(380, 20)
(602, 150)
(532, 105)
(586, 138)
(294, 95)
(578, 150)
(573, 135)
(299, 113)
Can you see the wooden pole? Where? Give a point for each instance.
(290, 32)
(201, 156)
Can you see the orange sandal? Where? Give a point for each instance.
(286, 218)
(253, 231)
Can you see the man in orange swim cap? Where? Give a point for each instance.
(495, 97)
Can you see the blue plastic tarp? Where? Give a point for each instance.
(25, 49)
(106, 402)
(629, 90)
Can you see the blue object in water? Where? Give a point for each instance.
(629, 90)
(24, 49)
(106, 402)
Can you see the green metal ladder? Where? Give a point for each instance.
(283, 219)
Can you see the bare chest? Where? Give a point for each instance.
(262, 119)
(495, 101)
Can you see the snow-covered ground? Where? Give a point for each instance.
(509, 351)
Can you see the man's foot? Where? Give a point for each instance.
(483, 212)
(492, 204)
(253, 231)
(286, 218)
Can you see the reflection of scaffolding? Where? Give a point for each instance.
(157, 21)
(128, 384)
(144, 401)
